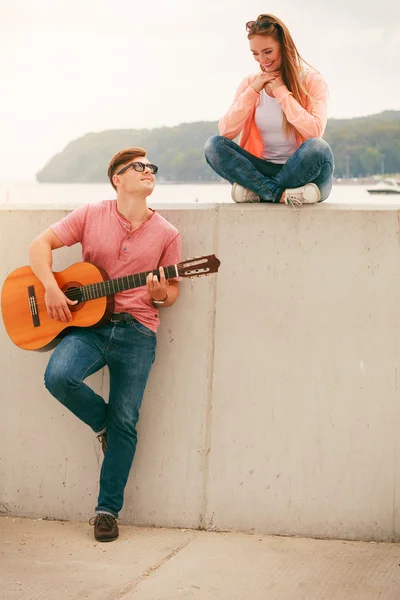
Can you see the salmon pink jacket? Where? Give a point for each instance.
(309, 122)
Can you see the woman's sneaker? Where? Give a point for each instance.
(241, 194)
(307, 194)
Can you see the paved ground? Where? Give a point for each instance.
(52, 560)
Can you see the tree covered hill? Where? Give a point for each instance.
(362, 146)
(366, 143)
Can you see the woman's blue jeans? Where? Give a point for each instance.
(128, 349)
(311, 163)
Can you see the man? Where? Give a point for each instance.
(122, 236)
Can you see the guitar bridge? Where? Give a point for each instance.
(33, 306)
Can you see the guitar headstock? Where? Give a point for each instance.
(194, 267)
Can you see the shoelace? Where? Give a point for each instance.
(294, 198)
(109, 519)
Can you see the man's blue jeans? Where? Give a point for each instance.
(311, 163)
(128, 349)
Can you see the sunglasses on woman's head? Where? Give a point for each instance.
(261, 24)
(139, 167)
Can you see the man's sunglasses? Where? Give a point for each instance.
(260, 24)
(139, 167)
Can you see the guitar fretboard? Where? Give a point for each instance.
(121, 284)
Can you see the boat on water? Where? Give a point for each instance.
(385, 186)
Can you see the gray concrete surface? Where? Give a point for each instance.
(273, 405)
(47, 560)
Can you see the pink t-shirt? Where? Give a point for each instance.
(108, 242)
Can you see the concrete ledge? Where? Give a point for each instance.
(273, 405)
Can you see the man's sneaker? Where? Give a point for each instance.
(241, 194)
(307, 194)
(102, 437)
(105, 527)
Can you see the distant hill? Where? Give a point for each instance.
(362, 146)
(371, 144)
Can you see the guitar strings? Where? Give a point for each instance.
(76, 293)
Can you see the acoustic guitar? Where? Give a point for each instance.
(24, 310)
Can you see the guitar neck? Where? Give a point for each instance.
(121, 284)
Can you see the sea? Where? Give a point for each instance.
(32, 194)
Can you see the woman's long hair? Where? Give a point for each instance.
(292, 69)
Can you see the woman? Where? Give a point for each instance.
(280, 114)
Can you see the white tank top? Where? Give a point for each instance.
(268, 117)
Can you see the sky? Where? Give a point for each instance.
(69, 67)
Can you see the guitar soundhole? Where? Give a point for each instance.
(73, 292)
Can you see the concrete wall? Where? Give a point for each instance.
(273, 405)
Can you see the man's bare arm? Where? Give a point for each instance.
(41, 257)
